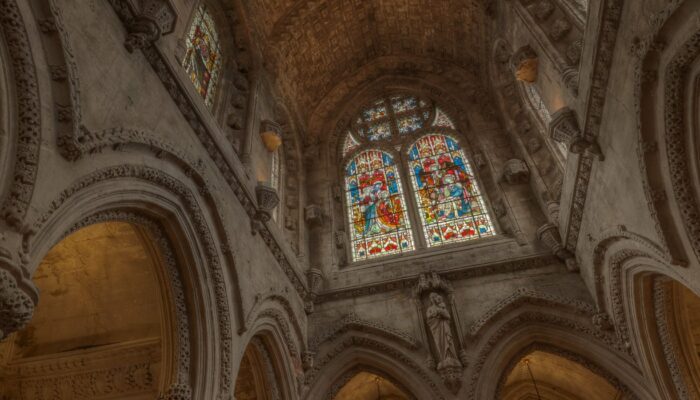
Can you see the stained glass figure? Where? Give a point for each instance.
(451, 206)
(203, 57)
(376, 206)
(349, 144)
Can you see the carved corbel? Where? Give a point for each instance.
(268, 199)
(525, 64)
(515, 171)
(18, 296)
(152, 19)
(549, 235)
(564, 129)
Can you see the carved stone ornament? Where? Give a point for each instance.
(447, 355)
(525, 64)
(268, 199)
(564, 129)
(18, 296)
(271, 133)
(515, 171)
(315, 278)
(549, 235)
(153, 19)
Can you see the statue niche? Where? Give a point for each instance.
(436, 307)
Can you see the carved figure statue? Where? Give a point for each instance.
(439, 323)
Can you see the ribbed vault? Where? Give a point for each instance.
(313, 45)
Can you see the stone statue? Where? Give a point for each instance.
(439, 323)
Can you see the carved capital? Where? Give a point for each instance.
(525, 64)
(18, 296)
(548, 234)
(564, 128)
(152, 19)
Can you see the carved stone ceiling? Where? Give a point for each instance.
(312, 46)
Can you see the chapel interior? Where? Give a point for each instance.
(350, 200)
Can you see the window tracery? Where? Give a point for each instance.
(203, 59)
(406, 134)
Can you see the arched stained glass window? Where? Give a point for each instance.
(451, 206)
(410, 134)
(377, 209)
(203, 56)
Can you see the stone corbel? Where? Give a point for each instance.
(18, 295)
(152, 19)
(314, 278)
(525, 64)
(549, 235)
(268, 199)
(564, 129)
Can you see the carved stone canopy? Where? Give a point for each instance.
(152, 19)
(525, 64)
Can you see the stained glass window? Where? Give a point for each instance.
(450, 203)
(377, 215)
(203, 57)
(442, 120)
(275, 177)
(397, 115)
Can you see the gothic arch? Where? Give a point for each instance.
(152, 195)
(362, 353)
(352, 371)
(666, 82)
(530, 330)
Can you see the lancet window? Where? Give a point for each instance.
(203, 58)
(407, 136)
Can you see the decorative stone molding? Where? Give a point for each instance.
(352, 323)
(152, 19)
(315, 277)
(28, 140)
(602, 321)
(18, 296)
(549, 235)
(564, 129)
(525, 64)
(515, 171)
(460, 273)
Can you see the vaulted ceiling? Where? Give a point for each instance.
(313, 46)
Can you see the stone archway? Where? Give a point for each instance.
(101, 328)
(257, 377)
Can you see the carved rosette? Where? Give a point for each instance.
(549, 235)
(564, 128)
(18, 297)
(152, 19)
(525, 64)
(433, 296)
